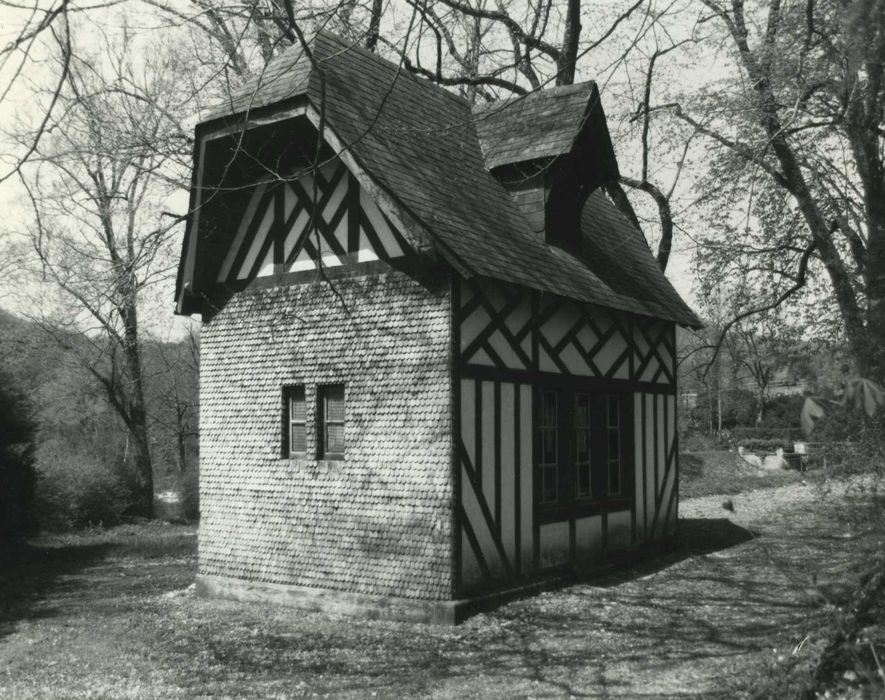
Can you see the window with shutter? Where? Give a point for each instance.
(294, 441)
(331, 438)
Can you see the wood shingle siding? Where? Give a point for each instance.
(378, 522)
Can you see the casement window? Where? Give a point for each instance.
(548, 437)
(582, 445)
(581, 454)
(614, 445)
(331, 422)
(294, 442)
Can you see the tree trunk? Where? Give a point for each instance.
(374, 25)
(181, 439)
(571, 35)
(874, 359)
(144, 473)
(709, 411)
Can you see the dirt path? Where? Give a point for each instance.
(100, 617)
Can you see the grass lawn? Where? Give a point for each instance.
(708, 472)
(748, 596)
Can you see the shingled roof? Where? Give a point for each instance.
(421, 145)
(543, 124)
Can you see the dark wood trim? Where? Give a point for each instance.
(554, 357)
(542, 315)
(535, 326)
(251, 232)
(468, 307)
(270, 240)
(279, 237)
(517, 476)
(676, 450)
(582, 509)
(494, 530)
(477, 437)
(455, 434)
(616, 365)
(652, 350)
(587, 320)
(401, 241)
(630, 450)
(602, 339)
(342, 211)
(496, 393)
(631, 323)
(668, 461)
(474, 543)
(327, 232)
(661, 340)
(353, 213)
(657, 375)
(570, 336)
(554, 380)
(284, 419)
(373, 237)
(644, 466)
(654, 403)
(497, 323)
(494, 356)
(536, 481)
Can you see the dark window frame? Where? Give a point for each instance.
(583, 467)
(614, 429)
(554, 434)
(571, 499)
(324, 397)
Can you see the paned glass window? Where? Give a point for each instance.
(582, 444)
(548, 436)
(613, 438)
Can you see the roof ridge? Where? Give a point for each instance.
(555, 91)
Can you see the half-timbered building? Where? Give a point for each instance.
(437, 363)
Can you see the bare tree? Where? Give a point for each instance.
(114, 152)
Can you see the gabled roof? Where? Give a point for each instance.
(542, 124)
(419, 143)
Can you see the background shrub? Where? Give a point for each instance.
(77, 489)
(17, 473)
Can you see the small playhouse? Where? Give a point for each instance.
(437, 364)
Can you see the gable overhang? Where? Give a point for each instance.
(415, 232)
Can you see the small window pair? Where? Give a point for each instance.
(330, 422)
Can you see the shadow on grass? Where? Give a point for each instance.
(697, 536)
(573, 639)
(28, 574)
